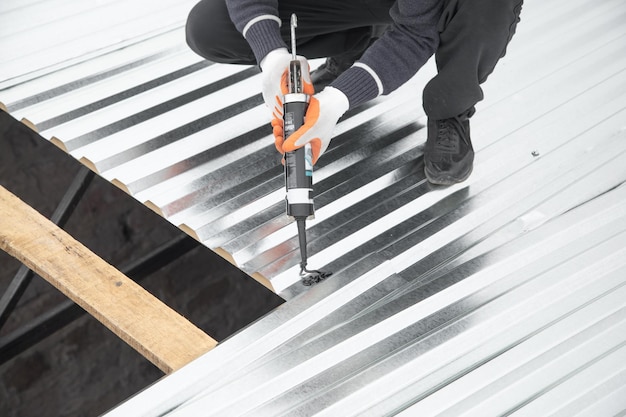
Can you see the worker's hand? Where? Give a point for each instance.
(274, 72)
(321, 117)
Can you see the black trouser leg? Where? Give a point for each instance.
(474, 35)
(325, 28)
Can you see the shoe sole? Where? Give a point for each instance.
(442, 179)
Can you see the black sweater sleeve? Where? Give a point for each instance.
(390, 62)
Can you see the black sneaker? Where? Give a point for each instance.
(330, 70)
(448, 155)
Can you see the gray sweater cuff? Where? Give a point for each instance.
(358, 85)
(263, 37)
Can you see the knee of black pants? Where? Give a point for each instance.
(474, 36)
(499, 16)
(211, 34)
(490, 20)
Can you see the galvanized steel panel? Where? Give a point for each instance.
(501, 295)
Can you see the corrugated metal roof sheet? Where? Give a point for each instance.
(502, 295)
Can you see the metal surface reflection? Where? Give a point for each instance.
(500, 295)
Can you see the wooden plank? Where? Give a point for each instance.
(156, 331)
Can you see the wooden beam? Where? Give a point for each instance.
(156, 331)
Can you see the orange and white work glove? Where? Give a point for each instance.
(324, 111)
(274, 70)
